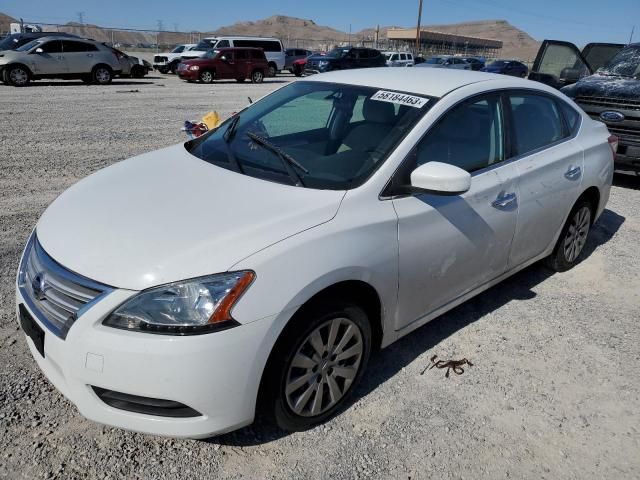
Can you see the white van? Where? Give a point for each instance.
(399, 59)
(272, 49)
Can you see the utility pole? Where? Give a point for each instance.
(631, 36)
(81, 18)
(418, 28)
(377, 35)
(349, 42)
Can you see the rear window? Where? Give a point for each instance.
(266, 45)
(536, 121)
(257, 54)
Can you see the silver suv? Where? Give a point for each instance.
(54, 57)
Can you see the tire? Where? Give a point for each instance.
(306, 384)
(173, 67)
(206, 76)
(257, 76)
(163, 70)
(573, 237)
(272, 70)
(137, 72)
(101, 75)
(17, 75)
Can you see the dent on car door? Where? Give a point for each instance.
(449, 245)
(561, 63)
(549, 164)
(51, 61)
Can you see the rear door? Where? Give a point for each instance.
(80, 56)
(560, 63)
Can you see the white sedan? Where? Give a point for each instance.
(262, 263)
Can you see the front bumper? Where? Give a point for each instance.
(216, 374)
(189, 74)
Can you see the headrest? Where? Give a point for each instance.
(378, 112)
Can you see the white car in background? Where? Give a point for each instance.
(272, 48)
(262, 263)
(399, 59)
(168, 62)
(445, 61)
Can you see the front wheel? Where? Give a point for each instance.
(102, 75)
(572, 239)
(257, 76)
(206, 76)
(18, 76)
(318, 362)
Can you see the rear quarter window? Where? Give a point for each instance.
(571, 116)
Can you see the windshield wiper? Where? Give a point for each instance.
(231, 129)
(287, 159)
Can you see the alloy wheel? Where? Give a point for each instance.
(103, 75)
(257, 77)
(18, 76)
(577, 232)
(206, 77)
(324, 367)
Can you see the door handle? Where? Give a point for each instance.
(504, 200)
(573, 173)
(89, 54)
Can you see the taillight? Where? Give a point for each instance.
(613, 143)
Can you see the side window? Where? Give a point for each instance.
(241, 54)
(570, 116)
(469, 136)
(69, 46)
(403, 56)
(54, 46)
(536, 121)
(223, 44)
(179, 49)
(394, 57)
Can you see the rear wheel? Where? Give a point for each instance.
(257, 76)
(17, 75)
(316, 365)
(272, 70)
(137, 71)
(206, 76)
(572, 239)
(102, 75)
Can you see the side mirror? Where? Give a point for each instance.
(437, 177)
(38, 50)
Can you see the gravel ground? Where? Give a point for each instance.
(553, 391)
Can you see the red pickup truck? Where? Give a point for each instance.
(226, 63)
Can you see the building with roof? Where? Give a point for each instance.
(438, 43)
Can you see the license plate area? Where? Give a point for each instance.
(32, 329)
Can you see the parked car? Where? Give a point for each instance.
(226, 63)
(344, 58)
(309, 227)
(418, 59)
(399, 59)
(16, 40)
(298, 67)
(294, 54)
(272, 48)
(507, 67)
(168, 62)
(607, 88)
(445, 61)
(477, 63)
(59, 57)
(133, 67)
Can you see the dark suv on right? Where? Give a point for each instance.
(344, 58)
(604, 79)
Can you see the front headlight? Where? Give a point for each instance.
(200, 305)
(323, 63)
(194, 67)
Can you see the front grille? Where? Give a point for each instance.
(56, 296)
(606, 102)
(627, 135)
(160, 59)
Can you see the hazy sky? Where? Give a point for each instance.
(578, 21)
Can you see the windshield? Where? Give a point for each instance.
(211, 54)
(178, 49)
(205, 45)
(626, 63)
(435, 60)
(9, 42)
(498, 63)
(332, 136)
(337, 52)
(28, 46)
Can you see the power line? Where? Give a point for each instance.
(160, 25)
(81, 17)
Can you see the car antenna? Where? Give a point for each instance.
(250, 101)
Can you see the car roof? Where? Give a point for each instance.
(433, 82)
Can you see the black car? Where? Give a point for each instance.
(475, 62)
(344, 58)
(604, 80)
(507, 67)
(15, 40)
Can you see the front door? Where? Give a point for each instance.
(226, 69)
(51, 61)
(449, 245)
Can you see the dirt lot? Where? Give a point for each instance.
(553, 392)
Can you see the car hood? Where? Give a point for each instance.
(605, 86)
(6, 55)
(167, 216)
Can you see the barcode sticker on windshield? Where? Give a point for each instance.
(400, 99)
